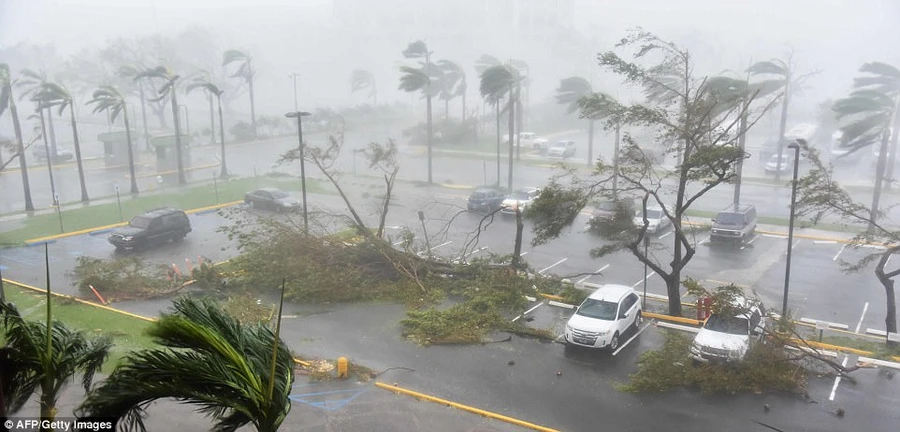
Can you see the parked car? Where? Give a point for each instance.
(786, 163)
(152, 228)
(562, 149)
(519, 199)
(734, 224)
(606, 210)
(63, 154)
(528, 140)
(728, 338)
(272, 199)
(656, 219)
(486, 199)
(604, 317)
(842, 154)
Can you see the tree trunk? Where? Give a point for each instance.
(84, 194)
(159, 109)
(739, 167)
(52, 131)
(430, 133)
(48, 409)
(615, 180)
(49, 159)
(590, 159)
(783, 124)
(178, 148)
(134, 186)
(446, 109)
(890, 320)
(252, 107)
(497, 106)
(144, 118)
(464, 107)
(512, 131)
(895, 131)
(224, 173)
(20, 147)
(212, 120)
(879, 181)
(514, 103)
(517, 248)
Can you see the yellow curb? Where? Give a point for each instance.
(199, 167)
(551, 297)
(470, 409)
(453, 186)
(76, 299)
(79, 232)
(682, 320)
(831, 347)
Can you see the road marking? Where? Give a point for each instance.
(830, 324)
(528, 311)
(774, 236)
(523, 254)
(839, 252)
(396, 227)
(888, 260)
(636, 334)
(753, 239)
(442, 244)
(865, 308)
(837, 379)
(792, 247)
(397, 242)
(665, 235)
(824, 242)
(552, 265)
(643, 279)
(704, 241)
(589, 276)
(457, 261)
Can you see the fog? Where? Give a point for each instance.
(324, 40)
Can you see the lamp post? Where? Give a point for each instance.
(293, 76)
(787, 270)
(187, 122)
(646, 246)
(299, 115)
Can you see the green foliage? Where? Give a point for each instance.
(555, 209)
(572, 295)
(119, 278)
(245, 308)
(766, 368)
(463, 323)
(206, 275)
(242, 131)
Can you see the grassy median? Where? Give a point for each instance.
(189, 197)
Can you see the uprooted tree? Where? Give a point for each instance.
(695, 117)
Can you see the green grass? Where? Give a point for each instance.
(189, 197)
(128, 333)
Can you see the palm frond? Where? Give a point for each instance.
(861, 131)
(862, 101)
(570, 91)
(233, 55)
(5, 88)
(361, 79)
(413, 79)
(200, 83)
(160, 72)
(486, 62)
(773, 67)
(881, 69)
(416, 49)
(495, 82)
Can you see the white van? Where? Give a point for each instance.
(603, 317)
(727, 339)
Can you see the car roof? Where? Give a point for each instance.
(269, 189)
(527, 189)
(611, 292)
(740, 209)
(160, 211)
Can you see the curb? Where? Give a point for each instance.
(394, 388)
(454, 186)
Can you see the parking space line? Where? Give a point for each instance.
(523, 254)
(888, 260)
(442, 244)
(528, 311)
(839, 252)
(552, 265)
(774, 236)
(643, 279)
(636, 334)
(599, 270)
(750, 242)
(858, 325)
(824, 242)
(794, 245)
(837, 379)
(397, 242)
(665, 235)
(704, 241)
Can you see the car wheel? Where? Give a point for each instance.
(537, 146)
(614, 342)
(179, 237)
(638, 320)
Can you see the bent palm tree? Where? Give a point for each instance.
(108, 98)
(213, 90)
(208, 359)
(31, 83)
(54, 95)
(7, 101)
(362, 79)
(495, 82)
(453, 85)
(569, 93)
(128, 71)
(168, 89)
(246, 72)
(421, 79)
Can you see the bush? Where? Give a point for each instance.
(242, 131)
(118, 278)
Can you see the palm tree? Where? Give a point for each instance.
(246, 72)
(213, 90)
(884, 78)
(569, 93)
(421, 79)
(129, 71)
(30, 84)
(54, 95)
(168, 89)
(453, 85)
(111, 100)
(362, 79)
(495, 82)
(524, 73)
(493, 97)
(49, 359)
(7, 101)
(208, 359)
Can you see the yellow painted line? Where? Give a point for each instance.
(76, 299)
(213, 207)
(663, 317)
(75, 233)
(455, 186)
(831, 347)
(199, 167)
(551, 297)
(470, 409)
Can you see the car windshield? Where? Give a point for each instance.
(730, 325)
(651, 214)
(140, 222)
(784, 158)
(478, 195)
(607, 206)
(730, 218)
(599, 309)
(559, 145)
(279, 194)
(520, 196)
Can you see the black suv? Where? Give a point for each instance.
(486, 199)
(734, 224)
(152, 228)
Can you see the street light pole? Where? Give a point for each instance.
(187, 122)
(787, 270)
(646, 245)
(299, 115)
(293, 76)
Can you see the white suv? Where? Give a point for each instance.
(603, 317)
(727, 339)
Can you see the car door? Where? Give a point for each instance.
(625, 314)
(155, 231)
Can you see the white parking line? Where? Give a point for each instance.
(528, 311)
(858, 325)
(837, 380)
(704, 241)
(442, 244)
(839, 252)
(457, 261)
(599, 270)
(523, 254)
(552, 265)
(643, 279)
(824, 242)
(665, 235)
(397, 242)
(792, 247)
(774, 236)
(888, 260)
(636, 334)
